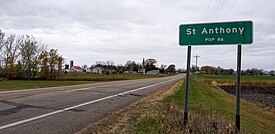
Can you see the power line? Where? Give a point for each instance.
(219, 10)
(230, 9)
(197, 56)
(207, 9)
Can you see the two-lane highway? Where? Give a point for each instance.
(69, 109)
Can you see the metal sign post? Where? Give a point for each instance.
(187, 86)
(240, 32)
(238, 87)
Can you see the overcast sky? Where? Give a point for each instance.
(119, 30)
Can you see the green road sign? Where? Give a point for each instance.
(216, 33)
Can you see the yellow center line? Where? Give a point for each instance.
(67, 91)
(79, 89)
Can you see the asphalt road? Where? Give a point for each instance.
(65, 110)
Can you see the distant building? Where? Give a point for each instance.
(153, 72)
(88, 70)
(141, 70)
(71, 63)
(126, 72)
(97, 70)
(265, 73)
(76, 69)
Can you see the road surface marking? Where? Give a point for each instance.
(65, 91)
(55, 92)
(78, 89)
(74, 86)
(80, 105)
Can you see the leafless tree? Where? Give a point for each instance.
(11, 53)
(2, 42)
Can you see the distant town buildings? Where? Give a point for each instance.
(76, 69)
(97, 70)
(108, 67)
(153, 72)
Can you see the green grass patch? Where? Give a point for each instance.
(110, 77)
(211, 110)
(27, 84)
(233, 77)
(71, 79)
(167, 117)
(205, 97)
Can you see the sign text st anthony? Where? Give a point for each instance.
(216, 33)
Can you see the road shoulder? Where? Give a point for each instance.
(120, 121)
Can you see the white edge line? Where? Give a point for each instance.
(80, 105)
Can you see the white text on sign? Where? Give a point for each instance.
(213, 39)
(216, 30)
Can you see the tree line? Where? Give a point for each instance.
(23, 57)
(132, 66)
(216, 70)
(221, 71)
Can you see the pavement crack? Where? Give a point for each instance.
(75, 110)
(18, 107)
(139, 95)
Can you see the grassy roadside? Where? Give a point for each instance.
(232, 78)
(211, 111)
(120, 122)
(70, 79)
(110, 77)
(30, 84)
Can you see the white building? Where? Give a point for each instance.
(97, 70)
(153, 72)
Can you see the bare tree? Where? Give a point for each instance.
(24, 57)
(11, 53)
(2, 41)
(2, 36)
(150, 61)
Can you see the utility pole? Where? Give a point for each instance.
(143, 66)
(197, 56)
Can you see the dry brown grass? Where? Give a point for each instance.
(164, 118)
(168, 119)
(122, 121)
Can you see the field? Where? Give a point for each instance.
(104, 77)
(70, 79)
(232, 78)
(256, 89)
(211, 109)
(27, 84)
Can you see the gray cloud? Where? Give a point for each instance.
(121, 30)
